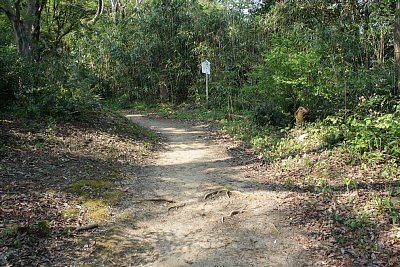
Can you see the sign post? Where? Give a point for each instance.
(206, 69)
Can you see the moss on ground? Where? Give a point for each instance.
(96, 196)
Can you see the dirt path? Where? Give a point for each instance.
(173, 220)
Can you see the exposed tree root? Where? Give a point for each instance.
(234, 212)
(213, 193)
(176, 207)
(154, 200)
(238, 193)
(86, 227)
(226, 191)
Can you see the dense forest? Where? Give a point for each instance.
(336, 58)
(337, 62)
(322, 54)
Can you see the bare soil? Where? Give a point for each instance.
(192, 204)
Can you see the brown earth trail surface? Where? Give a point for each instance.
(191, 205)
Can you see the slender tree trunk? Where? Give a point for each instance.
(397, 46)
(114, 10)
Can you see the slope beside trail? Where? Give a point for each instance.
(191, 205)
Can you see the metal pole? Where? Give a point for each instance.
(207, 88)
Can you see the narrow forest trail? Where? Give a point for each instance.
(172, 220)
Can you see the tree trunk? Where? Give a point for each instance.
(397, 46)
(26, 25)
(22, 39)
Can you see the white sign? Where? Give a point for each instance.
(206, 67)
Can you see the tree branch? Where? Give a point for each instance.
(9, 13)
(3, 9)
(100, 8)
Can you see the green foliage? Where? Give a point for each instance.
(10, 73)
(42, 228)
(375, 133)
(269, 114)
(387, 206)
(61, 18)
(372, 130)
(333, 138)
(281, 55)
(334, 131)
(361, 220)
(56, 101)
(9, 63)
(132, 58)
(322, 186)
(350, 183)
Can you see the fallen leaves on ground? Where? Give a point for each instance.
(348, 209)
(39, 161)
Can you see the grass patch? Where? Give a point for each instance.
(88, 187)
(112, 197)
(96, 196)
(97, 210)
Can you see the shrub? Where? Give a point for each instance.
(269, 115)
(56, 101)
(10, 73)
(375, 133)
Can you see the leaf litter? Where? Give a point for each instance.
(348, 209)
(45, 166)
